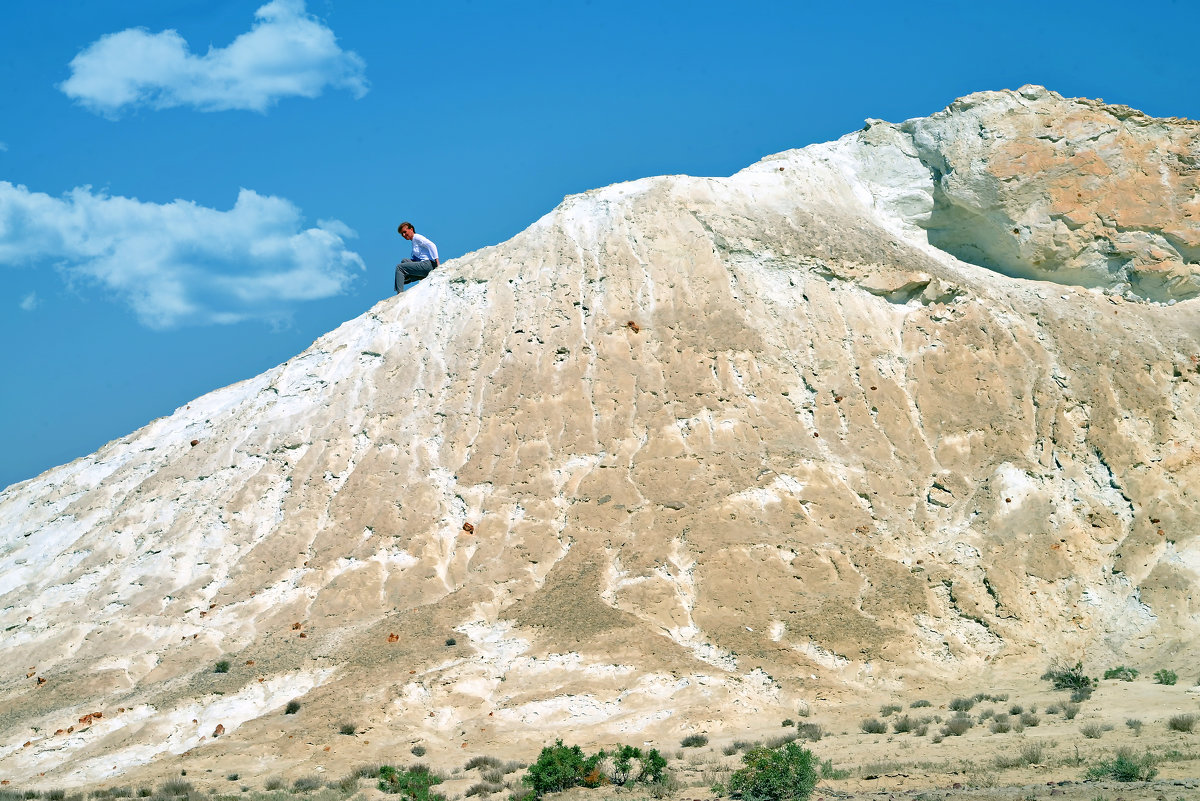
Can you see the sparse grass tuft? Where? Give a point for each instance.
(957, 726)
(1029, 719)
(1092, 731)
(274, 783)
(174, 787)
(1070, 710)
(873, 726)
(1121, 673)
(888, 709)
(961, 704)
(1124, 767)
(292, 708)
(482, 762)
(730, 749)
(1165, 676)
(417, 750)
(1016, 709)
(1001, 725)
(904, 724)
(483, 788)
(920, 703)
(1135, 725)
(809, 731)
(694, 741)
(306, 784)
(1183, 723)
(348, 729)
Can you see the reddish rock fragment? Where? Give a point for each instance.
(634, 327)
(467, 527)
(217, 732)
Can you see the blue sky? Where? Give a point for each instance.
(192, 191)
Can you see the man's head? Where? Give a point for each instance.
(406, 230)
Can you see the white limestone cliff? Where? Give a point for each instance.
(722, 442)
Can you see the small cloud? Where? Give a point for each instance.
(30, 302)
(287, 53)
(180, 263)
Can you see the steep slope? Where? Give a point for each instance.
(722, 444)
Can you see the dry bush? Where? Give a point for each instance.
(873, 726)
(1183, 723)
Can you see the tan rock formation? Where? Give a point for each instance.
(722, 444)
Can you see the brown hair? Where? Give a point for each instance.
(405, 224)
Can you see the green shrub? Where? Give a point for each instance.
(961, 704)
(347, 728)
(1070, 710)
(903, 724)
(417, 750)
(651, 766)
(1092, 731)
(1182, 722)
(1030, 719)
(292, 708)
(694, 741)
(787, 722)
(1134, 724)
(1124, 767)
(273, 783)
(1068, 677)
(888, 709)
(1001, 725)
(920, 703)
(560, 767)
(828, 771)
(873, 726)
(1121, 673)
(1165, 677)
(221, 667)
(788, 773)
(413, 783)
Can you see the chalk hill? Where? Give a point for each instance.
(921, 403)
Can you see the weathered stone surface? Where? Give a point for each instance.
(827, 454)
(1073, 191)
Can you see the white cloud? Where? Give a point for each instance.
(179, 263)
(287, 53)
(29, 302)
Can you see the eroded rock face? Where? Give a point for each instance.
(1072, 191)
(721, 443)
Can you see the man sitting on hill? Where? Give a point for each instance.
(424, 257)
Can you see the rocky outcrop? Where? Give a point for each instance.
(722, 444)
(1071, 191)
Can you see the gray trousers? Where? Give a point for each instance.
(409, 270)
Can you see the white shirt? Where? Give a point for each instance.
(423, 249)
